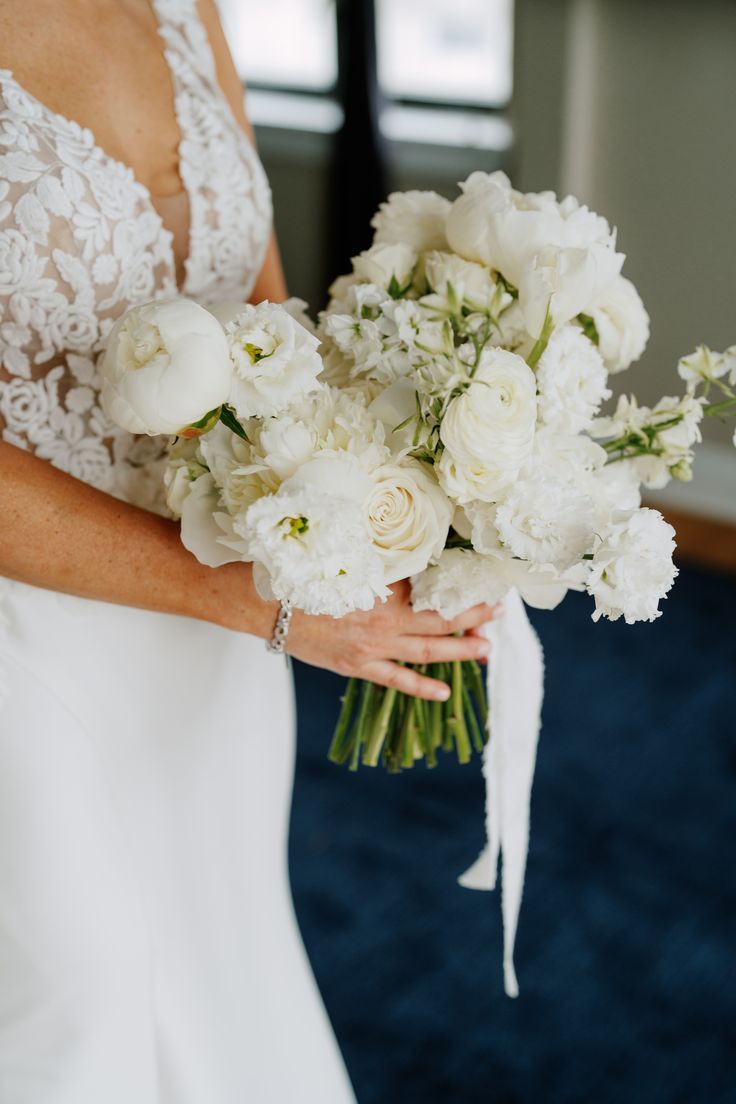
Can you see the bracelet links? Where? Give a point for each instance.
(277, 643)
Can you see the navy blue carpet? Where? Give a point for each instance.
(625, 953)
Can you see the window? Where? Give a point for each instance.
(289, 44)
(446, 51)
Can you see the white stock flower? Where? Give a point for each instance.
(622, 324)
(488, 431)
(384, 263)
(408, 516)
(165, 367)
(669, 430)
(632, 568)
(312, 542)
(274, 358)
(413, 218)
(557, 254)
(705, 366)
(571, 379)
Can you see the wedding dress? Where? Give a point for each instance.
(149, 952)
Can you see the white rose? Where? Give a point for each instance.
(166, 366)
(632, 568)
(408, 516)
(488, 431)
(622, 324)
(413, 218)
(274, 358)
(384, 263)
(571, 378)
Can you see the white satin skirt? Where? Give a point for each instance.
(149, 952)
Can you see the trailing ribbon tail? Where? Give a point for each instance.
(515, 693)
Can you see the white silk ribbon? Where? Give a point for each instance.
(515, 693)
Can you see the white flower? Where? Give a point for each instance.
(312, 542)
(705, 366)
(457, 282)
(299, 311)
(205, 532)
(274, 358)
(416, 219)
(558, 255)
(632, 568)
(239, 471)
(383, 264)
(571, 378)
(665, 434)
(408, 516)
(622, 324)
(183, 466)
(547, 521)
(165, 367)
(488, 431)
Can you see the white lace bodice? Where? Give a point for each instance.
(81, 242)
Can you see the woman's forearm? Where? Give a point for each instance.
(59, 533)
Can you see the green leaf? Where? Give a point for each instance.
(227, 417)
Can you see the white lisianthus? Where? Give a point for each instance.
(547, 521)
(385, 263)
(632, 568)
(165, 367)
(184, 465)
(558, 255)
(274, 358)
(456, 282)
(571, 379)
(488, 431)
(622, 324)
(416, 219)
(408, 516)
(312, 543)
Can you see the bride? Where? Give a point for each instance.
(148, 948)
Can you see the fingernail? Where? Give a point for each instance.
(443, 693)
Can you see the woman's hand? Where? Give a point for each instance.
(372, 645)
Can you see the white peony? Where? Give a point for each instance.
(488, 431)
(165, 367)
(408, 516)
(632, 568)
(416, 219)
(558, 255)
(622, 324)
(274, 358)
(571, 379)
(385, 263)
(311, 541)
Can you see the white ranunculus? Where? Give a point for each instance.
(632, 568)
(274, 358)
(488, 431)
(559, 255)
(408, 516)
(385, 262)
(165, 367)
(312, 542)
(622, 324)
(547, 521)
(571, 379)
(416, 219)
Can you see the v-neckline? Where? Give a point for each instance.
(99, 151)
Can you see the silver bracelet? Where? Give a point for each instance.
(277, 643)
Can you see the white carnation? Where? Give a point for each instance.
(413, 218)
(165, 367)
(622, 324)
(459, 580)
(571, 379)
(488, 431)
(632, 568)
(547, 521)
(274, 358)
(408, 516)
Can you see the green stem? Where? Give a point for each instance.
(543, 340)
(377, 734)
(713, 410)
(340, 747)
(457, 717)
